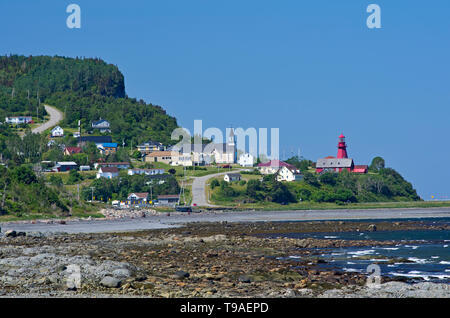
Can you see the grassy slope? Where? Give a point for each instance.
(312, 205)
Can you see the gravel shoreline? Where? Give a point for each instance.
(198, 260)
(132, 221)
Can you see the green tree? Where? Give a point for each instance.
(214, 183)
(74, 177)
(329, 178)
(377, 164)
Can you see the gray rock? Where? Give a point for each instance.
(372, 228)
(181, 274)
(111, 282)
(244, 279)
(121, 273)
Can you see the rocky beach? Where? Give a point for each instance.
(219, 259)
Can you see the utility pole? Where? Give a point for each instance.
(92, 196)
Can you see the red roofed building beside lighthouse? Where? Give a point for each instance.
(341, 162)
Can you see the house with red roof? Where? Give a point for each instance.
(68, 151)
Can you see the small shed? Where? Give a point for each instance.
(168, 199)
(230, 177)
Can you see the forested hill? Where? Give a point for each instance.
(45, 75)
(83, 88)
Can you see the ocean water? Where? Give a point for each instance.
(427, 259)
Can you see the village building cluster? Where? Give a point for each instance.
(186, 155)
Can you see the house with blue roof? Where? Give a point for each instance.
(107, 148)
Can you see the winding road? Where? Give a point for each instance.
(199, 188)
(55, 117)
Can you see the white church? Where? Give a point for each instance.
(219, 153)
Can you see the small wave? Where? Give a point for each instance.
(363, 252)
(417, 260)
(425, 276)
(390, 248)
(351, 270)
(444, 262)
(331, 237)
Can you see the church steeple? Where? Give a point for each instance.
(231, 138)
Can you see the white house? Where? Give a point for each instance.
(102, 125)
(273, 166)
(18, 120)
(148, 172)
(107, 172)
(246, 160)
(137, 198)
(57, 132)
(288, 174)
(229, 177)
(118, 165)
(201, 154)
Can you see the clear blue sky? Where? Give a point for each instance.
(311, 68)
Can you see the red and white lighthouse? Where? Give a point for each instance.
(342, 148)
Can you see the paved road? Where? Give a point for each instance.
(178, 219)
(55, 117)
(199, 188)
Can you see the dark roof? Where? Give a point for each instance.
(334, 163)
(113, 163)
(168, 196)
(109, 169)
(95, 123)
(96, 139)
